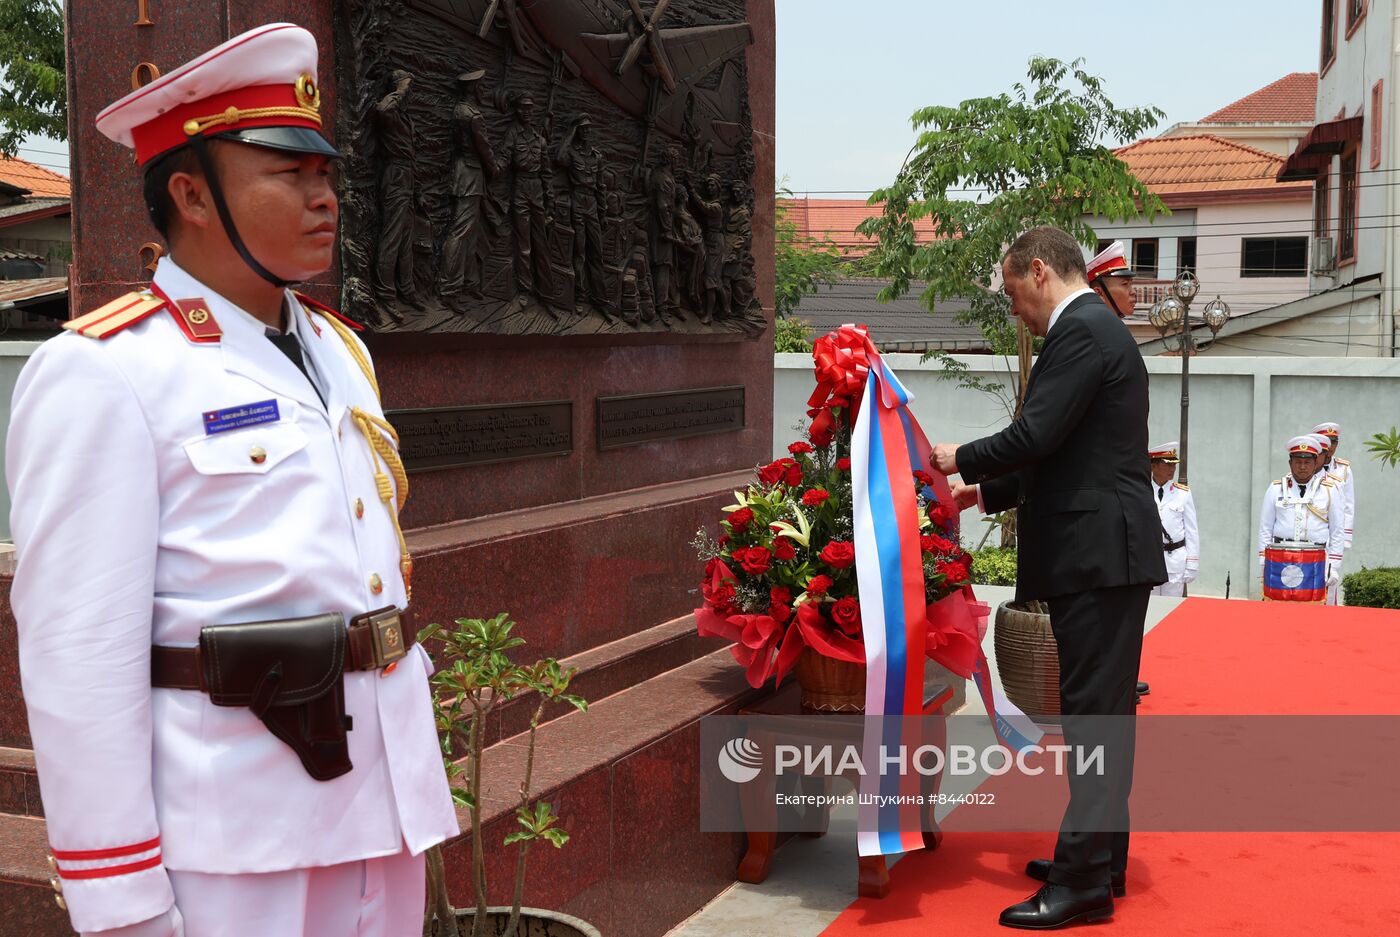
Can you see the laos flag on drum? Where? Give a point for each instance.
(1295, 574)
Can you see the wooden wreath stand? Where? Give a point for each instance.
(831, 693)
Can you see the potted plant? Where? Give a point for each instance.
(476, 675)
(780, 579)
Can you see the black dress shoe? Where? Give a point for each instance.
(1039, 869)
(1059, 906)
(1143, 689)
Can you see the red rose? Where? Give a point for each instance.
(843, 465)
(942, 514)
(781, 470)
(821, 438)
(740, 519)
(723, 539)
(924, 478)
(784, 549)
(754, 560)
(955, 571)
(818, 585)
(815, 497)
(846, 614)
(839, 554)
(780, 613)
(800, 447)
(719, 597)
(780, 595)
(932, 543)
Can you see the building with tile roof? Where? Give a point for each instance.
(836, 219)
(903, 324)
(1273, 118)
(36, 213)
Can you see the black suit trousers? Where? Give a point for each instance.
(1099, 634)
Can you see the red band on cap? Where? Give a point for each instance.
(1108, 266)
(167, 131)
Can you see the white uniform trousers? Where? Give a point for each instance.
(1170, 588)
(381, 897)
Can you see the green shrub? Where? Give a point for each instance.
(994, 566)
(791, 334)
(1373, 588)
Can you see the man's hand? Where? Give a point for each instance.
(1334, 574)
(945, 456)
(964, 496)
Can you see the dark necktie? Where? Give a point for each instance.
(1159, 493)
(287, 343)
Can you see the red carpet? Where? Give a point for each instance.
(1208, 657)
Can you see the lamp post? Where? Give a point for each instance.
(1173, 313)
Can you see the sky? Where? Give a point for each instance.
(850, 72)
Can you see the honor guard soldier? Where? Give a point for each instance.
(1306, 507)
(234, 734)
(1181, 543)
(1111, 277)
(1341, 472)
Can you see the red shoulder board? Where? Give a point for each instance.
(323, 308)
(120, 313)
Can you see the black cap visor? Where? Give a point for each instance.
(290, 139)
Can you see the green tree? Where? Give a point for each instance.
(33, 95)
(802, 264)
(990, 168)
(1385, 448)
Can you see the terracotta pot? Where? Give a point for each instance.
(534, 922)
(830, 685)
(1028, 661)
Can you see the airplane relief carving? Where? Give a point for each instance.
(547, 167)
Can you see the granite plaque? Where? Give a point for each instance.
(446, 437)
(643, 418)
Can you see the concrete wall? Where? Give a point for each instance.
(1243, 412)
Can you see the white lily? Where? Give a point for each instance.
(802, 533)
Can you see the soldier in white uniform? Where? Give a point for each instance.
(1110, 276)
(1181, 543)
(1305, 506)
(1341, 472)
(204, 454)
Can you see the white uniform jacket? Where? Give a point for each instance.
(1312, 513)
(1342, 473)
(134, 526)
(1178, 513)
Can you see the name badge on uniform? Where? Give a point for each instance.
(249, 414)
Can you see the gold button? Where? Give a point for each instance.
(56, 883)
(62, 905)
(359, 508)
(53, 864)
(376, 585)
(199, 316)
(258, 454)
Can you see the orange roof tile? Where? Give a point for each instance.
(1183, 170)
(1291, 99)
(40, 182)
(837, 218)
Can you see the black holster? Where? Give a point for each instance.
(290, 674)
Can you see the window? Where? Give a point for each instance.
(1145, 258)
(1346, 215)
(1356, 12)
(1274, 257)
(1329, 32)
(1377, 104)
(1101, 246)
(1322, 204)
(1186, 254)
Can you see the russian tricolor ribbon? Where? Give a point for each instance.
(887, 447)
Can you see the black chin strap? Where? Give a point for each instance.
(1107, 296)
(216, 192)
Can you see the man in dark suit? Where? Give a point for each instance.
(1089, 545)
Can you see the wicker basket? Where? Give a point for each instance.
(1028, 661)
(829, 685)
